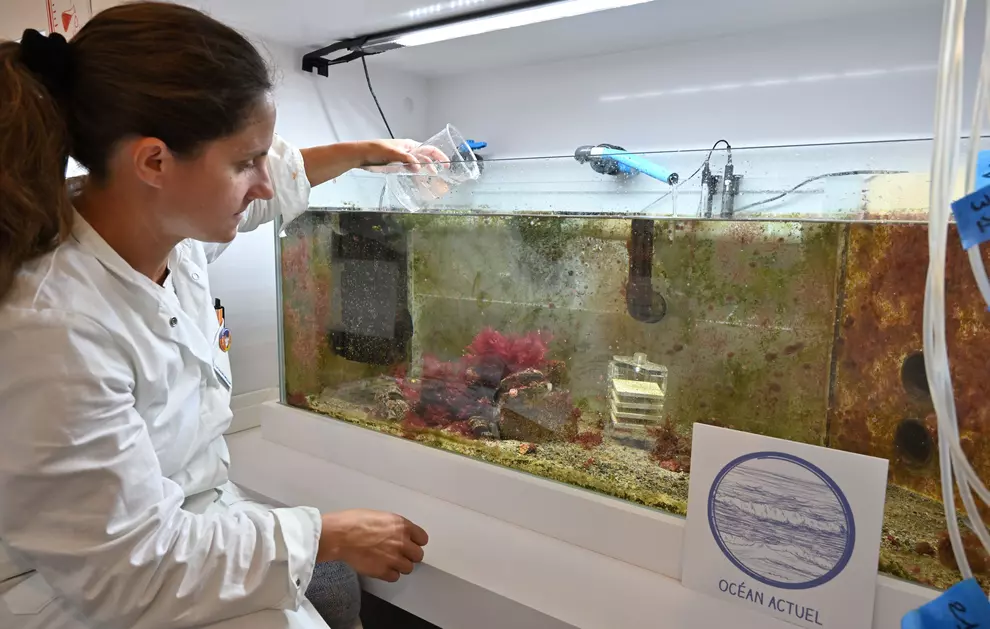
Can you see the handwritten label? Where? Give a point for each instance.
(963, 606)
(782, 605)
(972, 214)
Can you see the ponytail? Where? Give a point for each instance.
(35, 212)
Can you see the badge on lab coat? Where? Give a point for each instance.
(223, 333)
(222, 340)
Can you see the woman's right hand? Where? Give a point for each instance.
(376, 544)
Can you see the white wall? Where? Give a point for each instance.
(312, 110)
(863, 78)
(17, 15)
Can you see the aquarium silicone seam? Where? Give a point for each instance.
(840, 305)
(280, 323)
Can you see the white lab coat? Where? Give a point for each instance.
(113, 465)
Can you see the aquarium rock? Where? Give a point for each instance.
(392, 405)
(538, 414)
(484, 427)
(516, 381)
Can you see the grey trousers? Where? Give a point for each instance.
(335, 592)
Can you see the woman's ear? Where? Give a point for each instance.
(152, 160)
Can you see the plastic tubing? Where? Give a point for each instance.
(948, 112)
(962, 470)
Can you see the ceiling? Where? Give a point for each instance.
(307, 24)
(631, 28)
(314, 23)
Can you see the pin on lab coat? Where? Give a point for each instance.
(114, 496)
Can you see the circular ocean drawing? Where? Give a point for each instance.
(781, 520)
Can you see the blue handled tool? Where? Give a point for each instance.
(471, 147)
(609, 159)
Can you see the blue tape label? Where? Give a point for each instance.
(972, 214)
(983, 168)
(963, 606)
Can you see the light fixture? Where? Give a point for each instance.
(474, 23)
(512, 19)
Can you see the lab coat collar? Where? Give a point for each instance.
(93, 242)
(159, 306)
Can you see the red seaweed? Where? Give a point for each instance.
(450, 393)
(588, 440)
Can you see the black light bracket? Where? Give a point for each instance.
(354, 48)
(377, 43)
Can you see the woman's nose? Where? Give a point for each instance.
(263, 189)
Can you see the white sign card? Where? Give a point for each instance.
(786, 528)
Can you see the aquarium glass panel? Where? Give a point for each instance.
(574, 324)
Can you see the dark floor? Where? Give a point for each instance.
(379, 614)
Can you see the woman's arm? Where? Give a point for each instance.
(324, 163)
(294, 172)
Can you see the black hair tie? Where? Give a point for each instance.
(48, 58)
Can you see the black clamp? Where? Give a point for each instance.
(317, 60)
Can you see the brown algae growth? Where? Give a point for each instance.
(881, 403)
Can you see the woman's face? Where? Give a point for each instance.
(204, 198)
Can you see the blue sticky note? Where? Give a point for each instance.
(963, 606)
(982, 169)
(972, 214)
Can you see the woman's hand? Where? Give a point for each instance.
(408, 152)
(376, 544)
(324, 163)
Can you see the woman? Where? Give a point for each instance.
(114, 495)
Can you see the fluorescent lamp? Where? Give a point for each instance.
(441, 29)
(510, 19)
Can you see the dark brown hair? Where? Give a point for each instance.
(146, 69)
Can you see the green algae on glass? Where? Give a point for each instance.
(305, 274)
(755, 307)
(757, 326)
(545, 236)
(310, 364)
(726, 332)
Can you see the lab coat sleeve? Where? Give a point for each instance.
(83, 498)
(291, 199)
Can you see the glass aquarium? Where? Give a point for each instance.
(571, 322)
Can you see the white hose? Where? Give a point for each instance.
(952, 460)
(979, 273)
(948, 112)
